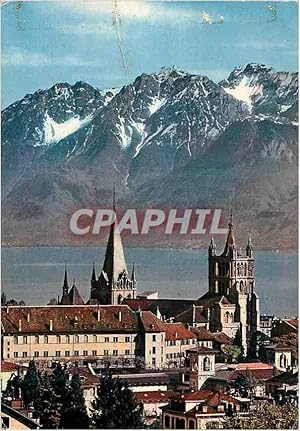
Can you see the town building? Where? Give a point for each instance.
(202, 409)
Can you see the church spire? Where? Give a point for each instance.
(230, 242)
(65, 286)
(114, 262)
(212, 247)
(133, 273)
(93, 272)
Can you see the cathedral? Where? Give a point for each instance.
(230, 306)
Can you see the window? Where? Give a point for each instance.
(153, 350)
(106, 340)
(127, 352)
(16, 340)
(85, 353)
(24, 355)
(86, 339)
(206, 364)
(76, 352)
(153, 337)
(45, 353)
(167, 421)
(162, 350)
(15, 354)
(8, 355)
(36, 354)
(57, 353)
(58, 339)
(115, 339)
(46, 339)
(24, 339)
(115, 352)
(95, 338)
(105, 352)
(94, 352)
(153, 362)
(76, 338)
(67, 353)
(68, 340)
(36, 339)
(127, 339)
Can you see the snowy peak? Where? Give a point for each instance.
(263, 89)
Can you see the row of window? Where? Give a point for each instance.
(67, 339)
(182, 342)
(174, 355)
(68, 353)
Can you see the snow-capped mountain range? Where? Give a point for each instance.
(66, 146)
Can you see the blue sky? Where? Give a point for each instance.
(67, 41)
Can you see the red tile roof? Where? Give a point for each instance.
(293, 322)
(178, 331)
(174, 331)
(202, 349)
(253, 366)
(150, 322)
(191, 315)
(167, 307)
(222, 338)
(202, 334)
(154, 396)
(8, 367)
(68, 319)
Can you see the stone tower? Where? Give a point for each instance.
(231, 277)
(201, 366)
(113, 284)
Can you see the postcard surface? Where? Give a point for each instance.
(149, 214)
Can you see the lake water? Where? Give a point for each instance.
(35, 274)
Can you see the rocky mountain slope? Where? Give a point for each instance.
(169, 138)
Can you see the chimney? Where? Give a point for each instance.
(194, 314)
(20, 325)
(51, 325)
(98, 314)
(120, 316)
(7, 309)
(204, 408)
(28, 317)
(176, 334)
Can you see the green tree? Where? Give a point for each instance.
(74, 415)
(245, 383)
(116, 406)
(30, 384)
(232, 351)
(266, 416)
(14, 387)
(47, 405)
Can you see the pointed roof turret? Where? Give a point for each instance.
(133, 273)
(114, 262)
(249, 247)
(230, 242)
(65, 286)
(93, 272)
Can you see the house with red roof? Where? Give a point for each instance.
(202, 409)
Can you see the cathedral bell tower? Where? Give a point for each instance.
(231, 274)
